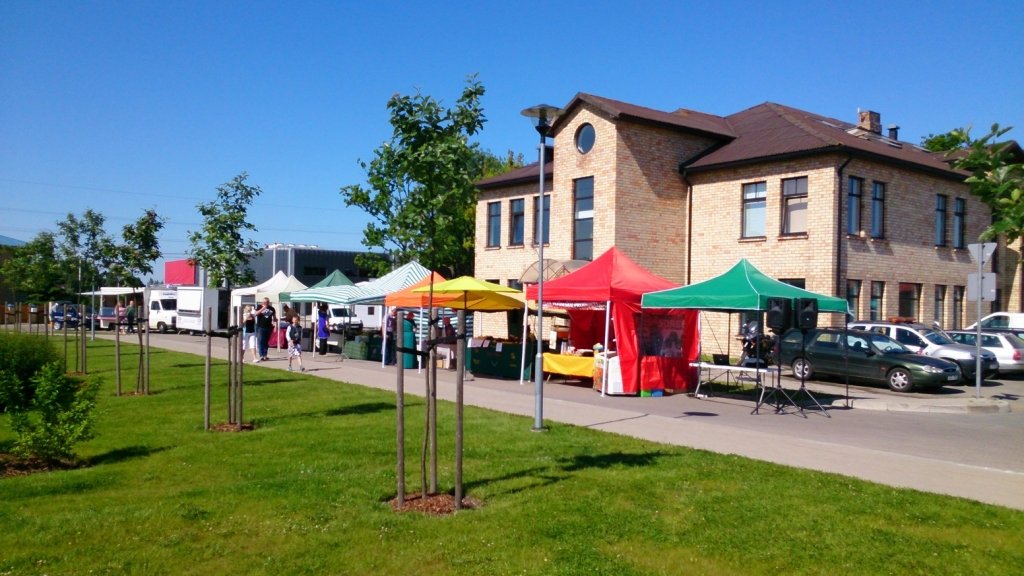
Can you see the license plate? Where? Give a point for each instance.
(951, 378)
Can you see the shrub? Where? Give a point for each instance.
(21, 356)
(59, 415)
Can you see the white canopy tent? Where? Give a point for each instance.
(278, 283)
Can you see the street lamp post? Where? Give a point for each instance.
(542, 115)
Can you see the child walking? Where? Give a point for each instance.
(295, 343)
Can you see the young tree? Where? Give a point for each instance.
(36, 270)
(420, 189)
(221, 247)
(85, 247)
(132, 259)
(223, 251)
(997, 178)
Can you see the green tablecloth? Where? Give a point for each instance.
(506, 363)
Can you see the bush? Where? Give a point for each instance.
(21, 356)
(59, 415)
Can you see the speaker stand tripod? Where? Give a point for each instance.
(803, 382)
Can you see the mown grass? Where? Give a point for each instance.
(306, 493)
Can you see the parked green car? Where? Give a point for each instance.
(866, 356)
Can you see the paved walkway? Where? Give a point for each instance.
(865, 440)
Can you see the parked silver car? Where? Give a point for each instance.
(934, 342)
(1009, 349)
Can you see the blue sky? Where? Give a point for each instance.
(124, 106)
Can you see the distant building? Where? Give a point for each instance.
(308, 264)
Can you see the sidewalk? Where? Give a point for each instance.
(848, 443)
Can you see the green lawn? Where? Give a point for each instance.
(306, 493)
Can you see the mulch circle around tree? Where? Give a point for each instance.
(225, 427)
(11, 465)
(433, 504)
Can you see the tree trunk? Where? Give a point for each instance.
(460, 355)
(400, 413)
(432, 401)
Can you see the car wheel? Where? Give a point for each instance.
(161, 327)
(802, 368)
(899, 380)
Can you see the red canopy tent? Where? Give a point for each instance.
(657, 360)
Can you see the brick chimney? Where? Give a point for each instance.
(869, 121)
(894, 132)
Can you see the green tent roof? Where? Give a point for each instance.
(336, 278)
(742, 287)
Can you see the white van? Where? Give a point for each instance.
(162, 308)
(1001, 320)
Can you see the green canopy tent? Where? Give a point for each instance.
(336, 278)
(742, 288)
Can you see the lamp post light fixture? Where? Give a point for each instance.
(542, 116)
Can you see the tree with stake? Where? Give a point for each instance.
(222, 249)
(419, 183)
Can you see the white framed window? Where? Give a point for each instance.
(794, 205)
(755, 197)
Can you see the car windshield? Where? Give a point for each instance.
(936, 336)
(887, 345)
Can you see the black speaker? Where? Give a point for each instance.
(779, 314)
(807, 313)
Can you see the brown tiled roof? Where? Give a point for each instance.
(681, 119)
(764, 132)
(528, 173)
(770, 131)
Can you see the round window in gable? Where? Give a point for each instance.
(585, 137)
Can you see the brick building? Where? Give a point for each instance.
(835, 207)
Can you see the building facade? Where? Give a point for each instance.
(835, 207)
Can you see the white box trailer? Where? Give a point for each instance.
(370, 314)
(162, 309)
(193, 301)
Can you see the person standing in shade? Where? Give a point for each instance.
(390, 332)
(249, 332)
(266, 321)
(130, 316)
(295, 343)
(122, 316)
(323, 331)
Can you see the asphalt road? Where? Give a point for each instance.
(940, 441)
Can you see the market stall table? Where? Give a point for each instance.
(569, 365)
(714, 372)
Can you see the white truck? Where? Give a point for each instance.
(162, 309)
(193, 301)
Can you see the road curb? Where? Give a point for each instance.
(968, 406)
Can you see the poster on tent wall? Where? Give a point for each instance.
(669, 341)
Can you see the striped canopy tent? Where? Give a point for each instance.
(409, 298)
(329, 294)
(400, 278)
